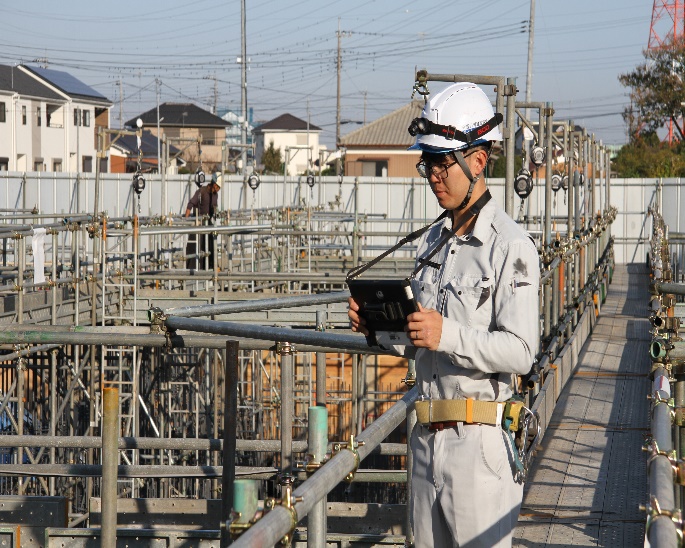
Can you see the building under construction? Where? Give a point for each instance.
(172, 381)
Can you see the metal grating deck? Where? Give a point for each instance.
(590, 476)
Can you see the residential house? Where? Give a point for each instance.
(49, 120)
(125, 154)
(234, 138)
(379, 149)
(297, 140)
(197, 132)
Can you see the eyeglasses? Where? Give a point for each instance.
(438, 170)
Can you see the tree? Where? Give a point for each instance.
(647, 156)
(271, 158)
(657, 88)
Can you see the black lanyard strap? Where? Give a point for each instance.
(357, 271)
(473, 211)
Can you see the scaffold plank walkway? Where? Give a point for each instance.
(589, 478)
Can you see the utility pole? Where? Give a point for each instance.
(365, 92)
(243, 90)
(529, 79)
(121, 105)
(216, 97)
(159, 155)
(340, 34)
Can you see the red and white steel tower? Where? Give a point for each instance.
(666, 28)
(668, 23)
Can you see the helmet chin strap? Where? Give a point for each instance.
(459, 157)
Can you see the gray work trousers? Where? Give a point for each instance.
(463, 489)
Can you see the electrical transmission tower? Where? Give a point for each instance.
(667, 28)
(668, 20)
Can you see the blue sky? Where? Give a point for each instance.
(580, 49)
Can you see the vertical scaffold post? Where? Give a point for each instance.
(230, 427)
(110, 458)
(318, 444)
(321, 317)
(286, 351)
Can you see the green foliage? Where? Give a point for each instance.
(657, 88)
(499, 168)
(647, 156)
(271, 158)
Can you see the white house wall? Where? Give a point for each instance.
(23, 144)
(299, 158)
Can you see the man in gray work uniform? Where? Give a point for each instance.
(477, 328)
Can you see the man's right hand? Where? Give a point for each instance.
(355, 319)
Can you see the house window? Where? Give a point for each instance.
(77, 113)
(86, 118)
(23, 115)
(4, 164)
(87, 164)
(378, 168)
(3, 116)
(57, 164)
(38, 164)
(38, 119)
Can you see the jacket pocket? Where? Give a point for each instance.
(470, 301)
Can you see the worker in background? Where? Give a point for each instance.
(476, 330)
(203, 203)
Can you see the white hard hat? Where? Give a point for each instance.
(458, 117)
(217, 179)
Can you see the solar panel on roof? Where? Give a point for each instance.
(67, 83)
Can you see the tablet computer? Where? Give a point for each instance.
(385, 305)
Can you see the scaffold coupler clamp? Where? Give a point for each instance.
(656, 398)
(284, 348)
(288, 501)
(650, 446)
(654, 511)
(157, 319)
(409, 379)
(236, 528)
(351, 446)
(421, 85)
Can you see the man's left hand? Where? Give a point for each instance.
(425, 328)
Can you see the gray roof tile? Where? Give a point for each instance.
(286, 122)
(388, 131)
(173, 114)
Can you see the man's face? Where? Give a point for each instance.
(450, 184)
(215, 188)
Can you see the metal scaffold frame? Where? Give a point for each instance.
(125, 314)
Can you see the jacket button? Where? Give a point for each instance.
(458, 292)
(435, 376)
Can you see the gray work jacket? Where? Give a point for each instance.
(485, 285)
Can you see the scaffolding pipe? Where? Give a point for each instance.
(110, 457)
(278, 334)
(348, 344)
(278, 522)
(230, 434)
(661, 532)
(258, 305)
